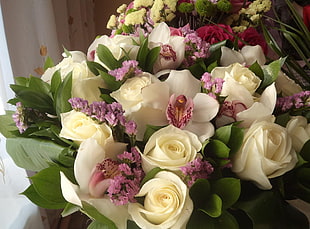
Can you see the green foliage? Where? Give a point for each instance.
(100, 219)
(45, 190)
(106, 57)
(150, 130)
(151, 174)
(7, 125)
(62, 95)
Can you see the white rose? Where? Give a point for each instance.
(299, 130)
(266, 153)
(84, 83)
(239, 74)
(78, 127)
(118, 45)
(166, 205)
(170, 148)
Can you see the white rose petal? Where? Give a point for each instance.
(170, 148)
(167, 203)
(299, 130)
(266, 153)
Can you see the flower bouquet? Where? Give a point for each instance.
(175, 120)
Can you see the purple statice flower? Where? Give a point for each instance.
(297, 101)
(25, 116)
(19, 118)
(79, 104)
(97, 110)
(129, 69)
(213, 86)
(195, 48)
(131, 127)
(125, 186)
(196, 169)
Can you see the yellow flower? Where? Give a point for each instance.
(144, 3)
(171, 4)
(121, 9)
(136, 17)
(112, 22)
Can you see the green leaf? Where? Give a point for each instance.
(218, 148)
(37, 199)
(48, 63)
(63, 94)
(151, 59)
(69, 209)
(213, 206)
(39, 85)
(94, 67)
(268, 210)
(22, 81)
(93, 213)
(111, 82)
(33, 98)
(256, 68)
(212, 66)
(223, 134)
(200, 192)
(228, 189)
(33, 154)
(305, 151)
(142, 54)
(55, 82)
(132, 225)
(97, 225)
(7, 125)
(106, 57)
(47, 184)
(236, 139)
(271, 72)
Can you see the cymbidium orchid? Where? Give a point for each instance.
(172, 48)
(93, 171)
(188, 108)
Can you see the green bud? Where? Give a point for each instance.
(224, 6)
(127, 28)
(205, 8)
(186, 7)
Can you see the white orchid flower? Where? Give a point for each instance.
(247, 55)
(172, 48)
(188, 108)
(91, 154)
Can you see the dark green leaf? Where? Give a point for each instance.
(48, 63)
(7, 125)
(63, 94)
(36, 84)
(33, 98)
(218, 148)
(236, 139)
(47, 184)
(37, 199)
(271, 72)
(110, 81)
(106, 57)
(94, 67)
(151, 59)
(142, 54)
(97, 225)
(199, 192)
(33, 154)
(228, 189)
(305, 151)
(69, 209)
(256, 68)
(55, 82)
(213, 206)
(93, 213)
(22, 81)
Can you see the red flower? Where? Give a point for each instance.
(252, 37)
(215, 33)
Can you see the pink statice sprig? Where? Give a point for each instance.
(129, 69)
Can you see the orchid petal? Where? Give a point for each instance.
(160, 34)
(183, 83)
(205, 108)
(269, 97)
(89, 154)
(151, 97)
(252, 54)
(69, 190)
(204, 130)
